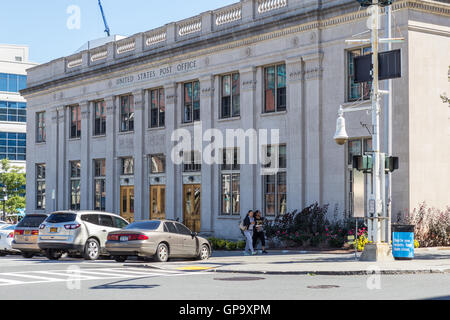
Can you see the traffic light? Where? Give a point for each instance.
(368, 3)
(392, 164)
(363, 163)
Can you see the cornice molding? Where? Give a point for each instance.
(419, 5)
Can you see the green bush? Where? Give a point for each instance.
(231, 246)
(240, 245)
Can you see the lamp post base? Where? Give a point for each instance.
(377, 252)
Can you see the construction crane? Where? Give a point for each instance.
(104, 18)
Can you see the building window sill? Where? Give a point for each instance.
(229, 119)
(100, 136)
(156, 129)
(277, 113)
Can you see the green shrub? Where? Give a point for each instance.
(240, 245)
(231, 246)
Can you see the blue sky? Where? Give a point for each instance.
(42, 24)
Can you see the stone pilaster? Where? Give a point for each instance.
(86, 181)
(111, 178)
(249, 110)
(295, 133)
(172, 184)
(207, 113)
(62, 195)
(139, 140)
(313, 127)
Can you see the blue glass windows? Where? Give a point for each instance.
(13, 111)
(12, 82)
(13, 146)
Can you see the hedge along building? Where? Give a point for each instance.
(109, 113)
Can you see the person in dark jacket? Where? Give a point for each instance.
(258, 233)
(249, 224)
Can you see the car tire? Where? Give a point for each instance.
(120, 259)
(162, 253)
(27, 255)
(91, 250)
(205, 252)
(2, 254)
(53, 255)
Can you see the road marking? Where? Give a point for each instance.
(18, 275)
(8, 282)
(194, 268)
(88, 274)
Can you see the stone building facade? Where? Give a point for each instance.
(109, 113)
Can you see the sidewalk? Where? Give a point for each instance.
(427, 260)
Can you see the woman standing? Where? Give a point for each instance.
(249, 224)
(258, 233)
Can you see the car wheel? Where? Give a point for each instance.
(27, 255)
(120, 259)
(91, 250)
(162, 253)
(2, 254)
(204, 252)
(53, 255)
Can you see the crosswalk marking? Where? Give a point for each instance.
(78, 274)
(22, 275)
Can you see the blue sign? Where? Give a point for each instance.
(403, 245)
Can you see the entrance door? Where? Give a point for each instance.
(157, 202)
(192, 207)
(127, 203)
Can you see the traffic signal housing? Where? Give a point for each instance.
(363, 163)
(392, 164)
(368, 3)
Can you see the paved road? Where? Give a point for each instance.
(68, 279)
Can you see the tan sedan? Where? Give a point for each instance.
(160, 239)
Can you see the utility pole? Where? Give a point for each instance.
(388, 128)
(378, 214)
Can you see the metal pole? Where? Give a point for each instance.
(388, 128)
(376, 122)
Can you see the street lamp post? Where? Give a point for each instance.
(379, 250)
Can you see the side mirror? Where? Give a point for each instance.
(194, 234)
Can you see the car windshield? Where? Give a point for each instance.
(31, 221)
(61, 217)
(145, 225)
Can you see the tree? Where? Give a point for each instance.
(13, 182)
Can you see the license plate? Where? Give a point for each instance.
(123, 239)
(53, 230)
(27, 232)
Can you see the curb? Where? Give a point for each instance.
(338, 273)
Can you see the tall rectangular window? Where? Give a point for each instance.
(127, 166)
(275, 184)
(356, 91)
(157, 108)
(231, 95)
(126, 113)
(75, 181)
(275, 88)
(100, 118)
(100, 185)
(75, 122)
(13, 146)
(192, 161)
(40, 127)
(158, 164)
(191, 102)
(231, 180)
(40, 186)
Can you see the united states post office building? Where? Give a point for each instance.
(100, 121)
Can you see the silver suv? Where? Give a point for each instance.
(77, 232)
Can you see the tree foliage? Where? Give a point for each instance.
(13, 181)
